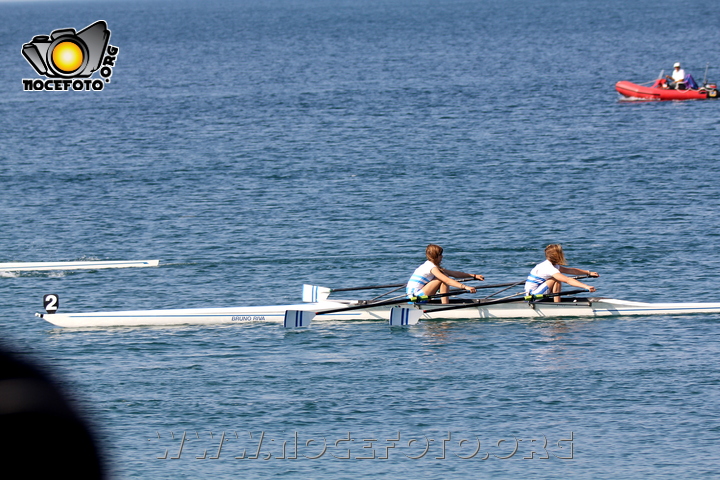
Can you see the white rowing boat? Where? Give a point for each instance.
(84, 265)
(356, 310)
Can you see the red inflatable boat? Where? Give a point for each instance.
(659, 91)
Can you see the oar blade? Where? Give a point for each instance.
(314, 293)
(297, 318)
(401, 317)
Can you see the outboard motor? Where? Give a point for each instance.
(712, 90)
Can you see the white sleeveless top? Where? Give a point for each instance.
(420, 277)
(540, 274)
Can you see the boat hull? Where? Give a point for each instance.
(655, 92)
(86, 265)
(590, 307)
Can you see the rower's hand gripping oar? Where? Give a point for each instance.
(400, 316)
(302, 318)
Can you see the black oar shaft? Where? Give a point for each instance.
(371, 287)
(514, 298)
(496, 285)
(377, 287)
(387, 302)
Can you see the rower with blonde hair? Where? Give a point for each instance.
(548, 276)
(430, 278)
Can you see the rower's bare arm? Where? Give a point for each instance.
(456, 274)
(442, 275)
(578, 271)
(476, 276)
(571, 281)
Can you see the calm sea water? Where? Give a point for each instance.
(256, 147)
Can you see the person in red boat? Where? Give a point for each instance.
(677, 79)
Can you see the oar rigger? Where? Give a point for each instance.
(411, 316)
(303, 318)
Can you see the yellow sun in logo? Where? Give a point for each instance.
(67, 56)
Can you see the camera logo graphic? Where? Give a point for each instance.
(66, 54)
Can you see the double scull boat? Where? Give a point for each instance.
(372, 310)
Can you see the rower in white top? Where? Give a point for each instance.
(430, 278)
(548, 276)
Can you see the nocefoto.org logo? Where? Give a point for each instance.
(68, 59)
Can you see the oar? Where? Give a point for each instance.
(315, 293)
(510, 285)
(411, 316)
(302, 318)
